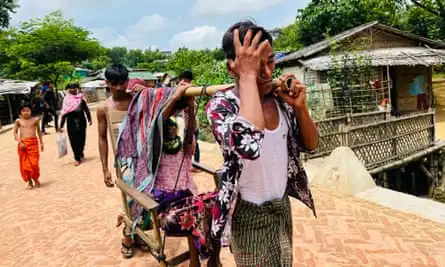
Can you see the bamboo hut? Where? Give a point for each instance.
(383, 110)
(12, 94)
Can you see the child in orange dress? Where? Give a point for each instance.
(27, 133)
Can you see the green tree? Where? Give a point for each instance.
(427, 18)
(134, 57)
(6, 8)
(117, 54)
(330, 17)
(288, 38)
(184, 59)
(47, 48)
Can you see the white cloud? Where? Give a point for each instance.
(221, 7)
(198, 38)
(146, 25)
(38, 8)
(135, 36)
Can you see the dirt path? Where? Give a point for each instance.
(70, 221)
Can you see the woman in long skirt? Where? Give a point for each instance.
(76, 112)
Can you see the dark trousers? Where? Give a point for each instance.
(197, 155)
(77, 135)
(46, 113)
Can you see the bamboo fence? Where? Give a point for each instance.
(376, 137)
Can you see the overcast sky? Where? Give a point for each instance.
(163, 24)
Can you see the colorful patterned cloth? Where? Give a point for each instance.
(183, 213)
(139, 143)
(239, 139)
(139, 149)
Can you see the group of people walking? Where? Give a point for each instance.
(29, 130)
(261, 133)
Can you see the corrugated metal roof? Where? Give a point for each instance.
(320, 46)
(94, 84)
(15, 87)
(145, 75)
(408, 56)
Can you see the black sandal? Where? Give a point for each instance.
(127, 251)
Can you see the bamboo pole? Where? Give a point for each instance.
(277, 85)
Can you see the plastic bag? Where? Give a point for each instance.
(61, 145)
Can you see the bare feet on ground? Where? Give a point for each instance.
(76, 163)
(30, 185)
(37, 183)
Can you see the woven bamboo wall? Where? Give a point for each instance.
(331, 131)
(376, 138)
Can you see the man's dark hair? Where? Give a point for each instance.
(116, 74)
(46, 83)
(72, 86)
(188, 75)
(243, 27)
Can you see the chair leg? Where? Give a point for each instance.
(157, 233)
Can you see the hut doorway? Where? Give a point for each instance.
(411, 89)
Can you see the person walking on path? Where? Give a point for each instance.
(49, 105)
(187, 77)
(261, 134)
(27, 134)
(118, 83)
(76, 112)
(116, 76)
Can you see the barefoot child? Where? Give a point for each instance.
(28, 146)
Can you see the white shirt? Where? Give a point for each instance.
(265, 178)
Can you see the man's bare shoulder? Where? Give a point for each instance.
(102, 108)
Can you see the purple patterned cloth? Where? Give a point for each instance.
(140, 139)
(182, 213)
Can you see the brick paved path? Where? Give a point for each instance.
(70, 221)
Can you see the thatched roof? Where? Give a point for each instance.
(312, 50)
(16, 87)
(410, 56)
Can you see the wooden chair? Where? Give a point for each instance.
(153, 238)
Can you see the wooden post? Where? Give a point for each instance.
(11, 117)
(413, 183)
(385, 179)
(430, 88)
(399, 180)
(388, 77)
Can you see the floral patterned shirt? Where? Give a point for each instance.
(238, 140)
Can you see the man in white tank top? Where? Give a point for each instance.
(261, 134)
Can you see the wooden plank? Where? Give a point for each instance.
(179, 259)
(144, 200)
(203, 168)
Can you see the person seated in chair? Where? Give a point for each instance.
(174, 184)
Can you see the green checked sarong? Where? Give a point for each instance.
(262, 235)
